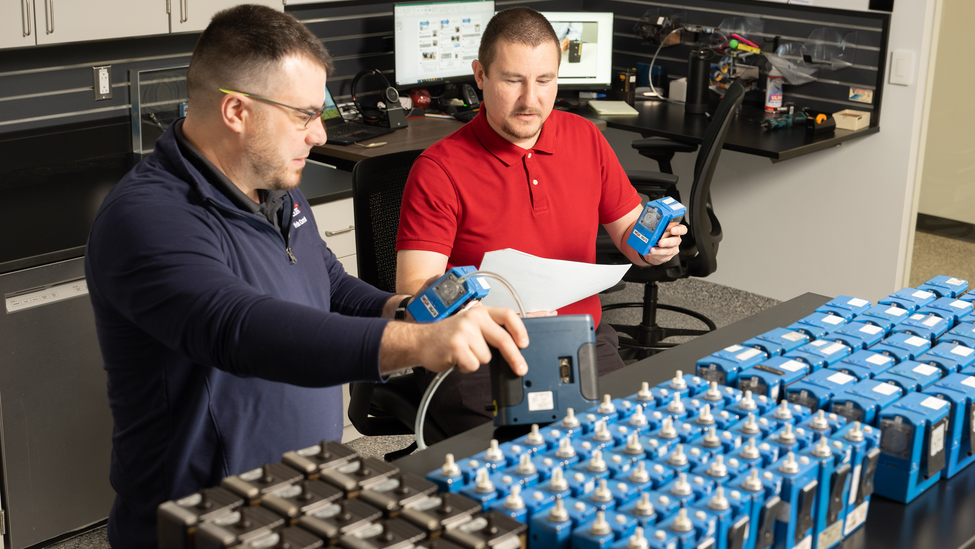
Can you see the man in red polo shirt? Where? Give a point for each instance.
(518, 176)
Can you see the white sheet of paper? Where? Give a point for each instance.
(545, 284)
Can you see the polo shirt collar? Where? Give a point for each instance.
(506, 151)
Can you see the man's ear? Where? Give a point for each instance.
(233, 112)
(479, 73)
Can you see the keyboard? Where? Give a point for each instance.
(465, 116)
(347, 129)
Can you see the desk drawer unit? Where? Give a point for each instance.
(336, 224)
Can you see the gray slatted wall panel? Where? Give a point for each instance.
(47, 87)
(791, 23)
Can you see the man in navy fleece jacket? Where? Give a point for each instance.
(225, 322)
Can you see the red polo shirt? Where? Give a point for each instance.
(474, 192)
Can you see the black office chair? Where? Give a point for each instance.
(382, 409)
(698, 250)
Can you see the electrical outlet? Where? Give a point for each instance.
(102, 82)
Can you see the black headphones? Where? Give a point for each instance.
(374, 114)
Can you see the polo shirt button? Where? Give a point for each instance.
(529, 155)
(534, 182)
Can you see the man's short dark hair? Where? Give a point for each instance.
(242, 44)
(518, 25)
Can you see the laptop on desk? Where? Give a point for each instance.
(341, 132)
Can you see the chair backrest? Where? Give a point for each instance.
(377, 191)
(704, 225)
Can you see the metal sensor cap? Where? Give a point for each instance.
(643, 507)
(570, 421)
(747, 403)
(783, 411)
(558, 513)
(682, 523)
(638, 419)
(678, 383)
(787, 436)
(637, 541)
(705, 417)
(678, 457)
(752, 483)
(494, 453)
(790, 466)
(822, 449)
(600, 527)
(820, 423)
(565, 449)
(644, 395)
(719, 502)
(640, 474)
(750, 451)
(558, 482)
(602, 494)
(596, 463)
(676, 406)
(484, 484)
(514, 501)
(855, 434)
(450, 469)
(535, 438)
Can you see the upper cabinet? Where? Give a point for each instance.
(35, 22)
(194, 15)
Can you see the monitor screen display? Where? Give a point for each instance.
(437, 41)
(587, 47)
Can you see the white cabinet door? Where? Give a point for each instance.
(58, 21)
(17, 23)
(195, 15)
(336, 224)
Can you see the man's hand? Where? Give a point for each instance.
(538, 314)
(463, 340)
(564, 43)
(664, 251)
(668, 246)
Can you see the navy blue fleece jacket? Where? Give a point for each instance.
(222, 353)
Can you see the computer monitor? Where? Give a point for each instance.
(587, 48)
(437, 41)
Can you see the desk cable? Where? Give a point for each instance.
(654, 60)
(428, 395)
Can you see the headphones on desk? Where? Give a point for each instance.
(374, 114)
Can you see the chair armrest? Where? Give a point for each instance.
(653, 184)
(662, 145)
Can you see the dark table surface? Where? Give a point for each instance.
(941, 518)
(663, 119)
(54, 206)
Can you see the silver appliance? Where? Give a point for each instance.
(55, 423)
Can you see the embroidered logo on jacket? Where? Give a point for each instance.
(295, 212)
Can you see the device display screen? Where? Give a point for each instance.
(450, 290)
(651, 218)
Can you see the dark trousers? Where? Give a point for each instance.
(463, 401)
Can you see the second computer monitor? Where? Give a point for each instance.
(436, 42)
(586, 39)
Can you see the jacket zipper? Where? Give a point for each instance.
(263, 225)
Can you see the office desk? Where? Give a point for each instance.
(420, 134)
(941, 518)
(663, 119)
